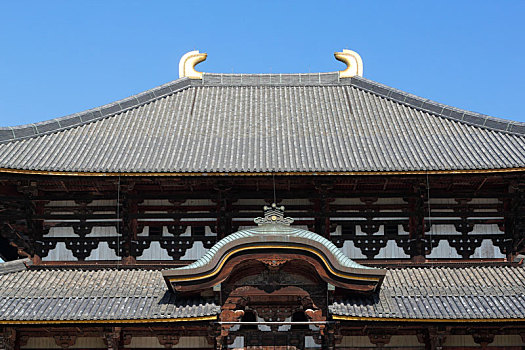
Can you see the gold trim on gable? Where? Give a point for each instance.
(314, 251)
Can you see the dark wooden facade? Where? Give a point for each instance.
(29, 211)
(316, 202)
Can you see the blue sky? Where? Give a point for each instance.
(62, 57)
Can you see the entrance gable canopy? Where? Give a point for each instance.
(274, 242)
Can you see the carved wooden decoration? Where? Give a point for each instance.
(65, 341)
(273, 262)
(168, 340)
(8, 339)
(379, 339)
(112, 338)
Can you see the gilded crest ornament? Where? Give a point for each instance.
(273, 215)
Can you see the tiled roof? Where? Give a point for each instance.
(276, 234)
(266, 123)
(15, 265)
(407, 293)
(443, 293)
(76, 295)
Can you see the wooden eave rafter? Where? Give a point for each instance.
(279, 173)
(426, 320)
(123, 321)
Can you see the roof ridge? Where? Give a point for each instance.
(271, 79)
(19, 132)
(15, 266)
(440, 109)
(267, 74)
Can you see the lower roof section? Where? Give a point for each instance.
(56, 296)
(432, 294)
(441, 294)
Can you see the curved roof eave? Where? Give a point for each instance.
(264, 173)
(274, 238)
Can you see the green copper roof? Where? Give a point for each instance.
(274, 238)
(275, 228)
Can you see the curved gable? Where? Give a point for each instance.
(274, 241)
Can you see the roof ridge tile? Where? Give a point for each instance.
(21, 132)
(440, 109)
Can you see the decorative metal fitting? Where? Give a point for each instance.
(273, 215)
(188, 62)
(354, 63)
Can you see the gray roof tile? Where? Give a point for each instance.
(15, 265)
(38, 295)
(443, 293)
(267, 123)
(410, 293)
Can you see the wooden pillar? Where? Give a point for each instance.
(128, 225)
(25, 241)
(416, 223)
(224, 208)
(112, 338)
(515, 219)
(483, 338)
(8, 339)
(433, 337)
(322, 225)
(437, 338)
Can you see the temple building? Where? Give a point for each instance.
(264, 211)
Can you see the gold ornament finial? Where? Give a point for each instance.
(273, 215)
(188, 62)
(354, 63)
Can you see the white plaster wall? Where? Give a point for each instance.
(390, 201)
(309, 343)
(61, 204)
(396, 341)
(195, 252)
(238, 344)
(153, 343)
(60, 253)
(350, 250)
(155, 252)
(443, 250)
(103, 252)
(49, 343)
(160, 202)
(103, 231)
(487, 250)
(103, 202)
(391, 251)
(347, 201)
(191, 202)
(61, 232)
